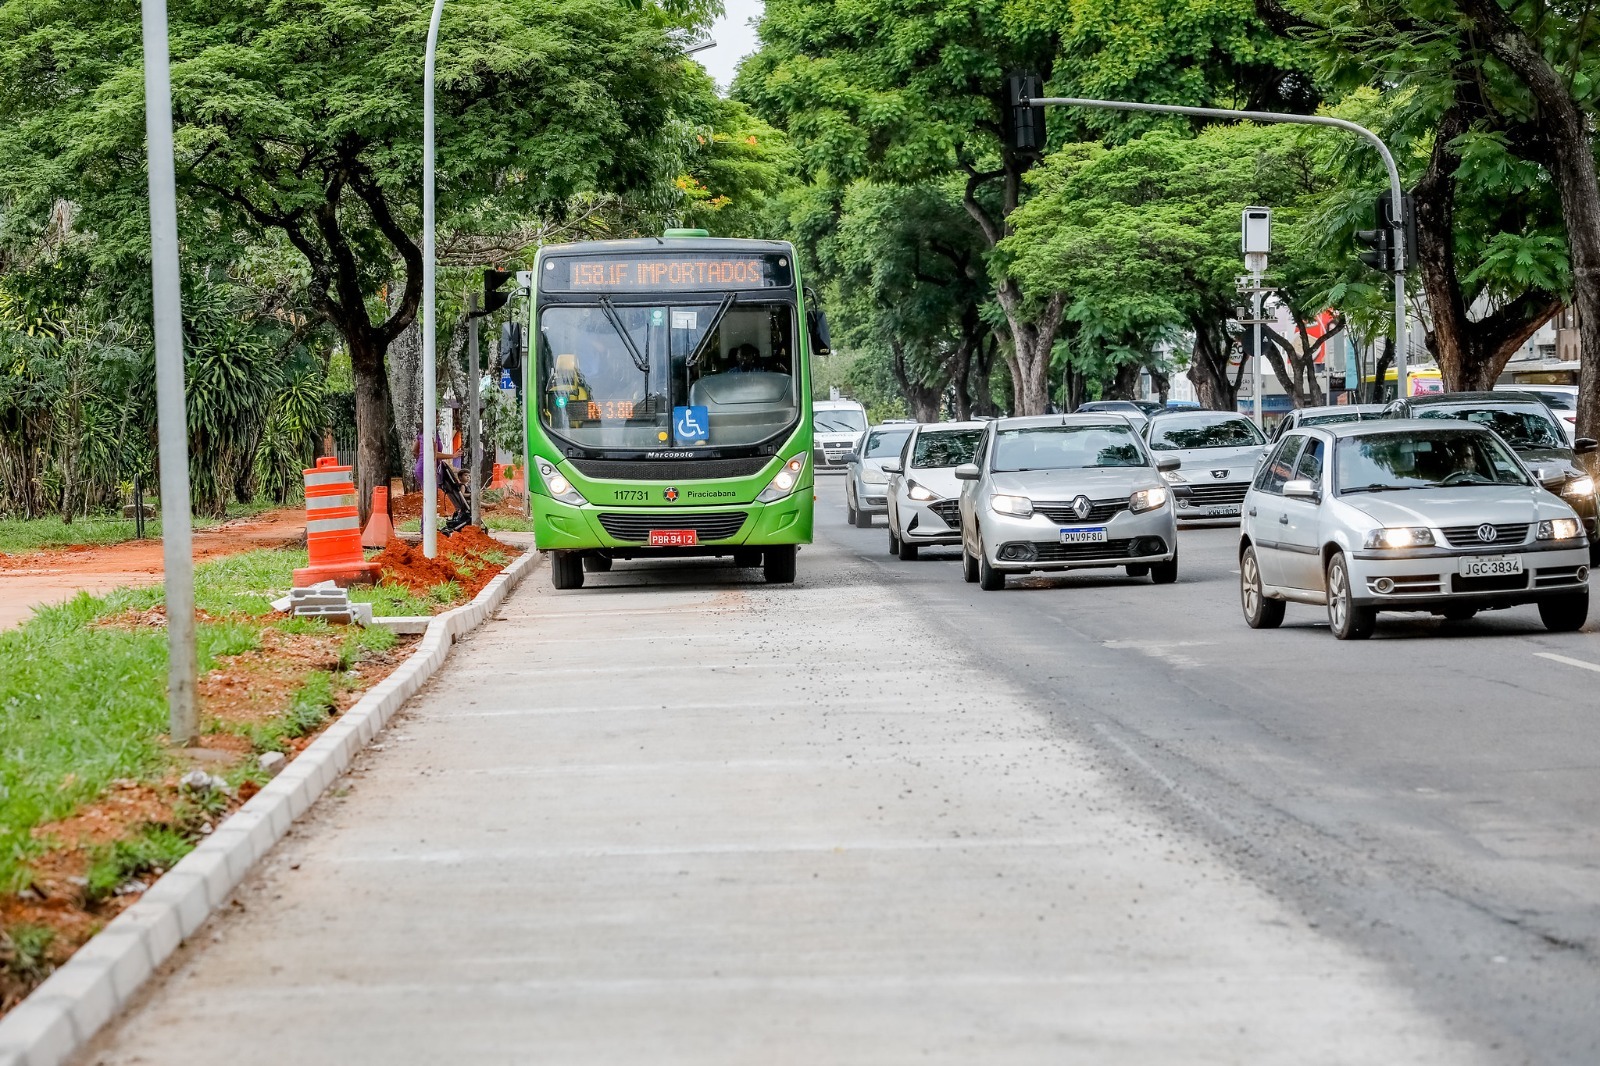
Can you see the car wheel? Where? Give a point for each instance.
(894, 541)
(850, 515)
(907, 552)
(777, 565)
(989, 579)
(1259, 612)
(1165, 573)
(1567, 614)
(1348, 621)
(566, 570)
(863, 520)
(1137, 570)
(597, 564)
(969, 565)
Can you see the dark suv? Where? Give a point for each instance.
(1527, 424)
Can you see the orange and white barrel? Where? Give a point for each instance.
(333, 528)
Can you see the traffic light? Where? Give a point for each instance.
(493, 298)
(1381, 257)
(1025, 128)
(1407, 224)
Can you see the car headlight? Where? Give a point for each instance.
(784, 481)
(1560, 529)
(1401, 537)
(873, 475)
(1174, 478)
(1579, 486)
(1019, 506)
(1147, 500)
(921, 494)
(558, 487)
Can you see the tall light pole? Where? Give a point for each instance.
(430, 413)
(1397, 194)
(177, 556)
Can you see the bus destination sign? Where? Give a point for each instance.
(665, 273)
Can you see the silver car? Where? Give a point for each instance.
(866, 491)
(923, 490)
(1406, 515)
(1327, 416)
(1219, 452)
(1060, 492)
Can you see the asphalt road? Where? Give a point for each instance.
(1430, 796)
(681, 816)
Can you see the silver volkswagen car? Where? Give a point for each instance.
(1406, 515)
(1219, 452)
(923, 490)
(1060, 492)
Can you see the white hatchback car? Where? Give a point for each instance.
(1406, 515)
(923, 490)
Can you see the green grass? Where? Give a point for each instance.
(155, 850)
(19, 535)
(507, 523)
(25, 951)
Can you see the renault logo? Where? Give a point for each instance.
(1487, 533)
(1219, 474)
(1081, 507)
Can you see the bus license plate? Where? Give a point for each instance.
(1490, 565)
(1084, 535)
(673, 538)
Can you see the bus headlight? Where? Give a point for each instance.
(557, 486)
(784, 481)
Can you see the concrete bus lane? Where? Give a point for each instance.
(681, 816)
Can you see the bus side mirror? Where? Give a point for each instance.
(511, 347)
(821, 343)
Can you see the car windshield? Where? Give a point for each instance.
(1180, 433)
(1521, 426)
(1333, 417)
(637, 377)
(848, 420)
(1560, 401)
(940, 448)
(1417, 459)
(882, 443)
(1066, 448)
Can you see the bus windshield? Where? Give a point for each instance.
(679, 375)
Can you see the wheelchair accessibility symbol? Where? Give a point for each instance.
(690, 425)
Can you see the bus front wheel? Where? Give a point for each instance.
(566, 570)
(778, 564)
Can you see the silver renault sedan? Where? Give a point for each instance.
(923, 509)
(1406, 515)
(1219, 452)
(1062, 492)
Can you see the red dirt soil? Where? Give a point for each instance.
(461, 558)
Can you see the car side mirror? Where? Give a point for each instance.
(892, 466)
(1301, 489)
(1585, 445)
(1551, 477)
(968, 472)
(1168, 463)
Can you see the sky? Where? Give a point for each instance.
(735, 40)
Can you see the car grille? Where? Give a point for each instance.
(1099, 511)
(1072, 553)
(949, 510)
(1497, 583)
(718, 526)
(1212, 494)
(1506, 535)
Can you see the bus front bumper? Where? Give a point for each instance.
(563, 527)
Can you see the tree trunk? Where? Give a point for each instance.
(375, 461)
(1032, 341)
(982, 364)
(1208, 370)
(923, 399)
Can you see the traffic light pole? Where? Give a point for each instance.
(430, 385)
(1397, 194)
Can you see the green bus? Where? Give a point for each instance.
(669, 403)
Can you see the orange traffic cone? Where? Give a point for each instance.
(333, 529)
(379, 527)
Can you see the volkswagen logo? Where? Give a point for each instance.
(1487, 533)
(1219, 474)
(1081, 507)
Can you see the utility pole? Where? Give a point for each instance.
(474, 416)
(1024, 100)
(430, 402)
(177, 555)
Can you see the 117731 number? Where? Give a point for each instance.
(632, 494)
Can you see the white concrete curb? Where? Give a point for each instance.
(65, 1012)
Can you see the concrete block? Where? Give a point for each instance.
(85, 991)
(121, 951)
(37, 1033)
(159, 923)
(183, 893)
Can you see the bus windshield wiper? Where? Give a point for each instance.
(640, 361)
(711, 329)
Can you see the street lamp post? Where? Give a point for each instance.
(430, 413)
(1396, 193)
(177, 556)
